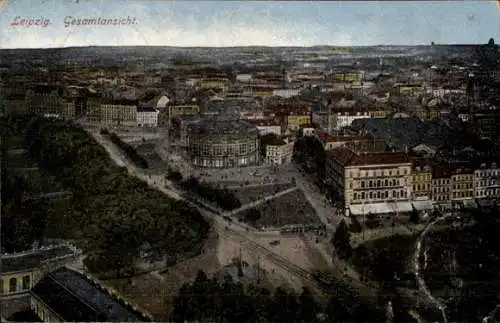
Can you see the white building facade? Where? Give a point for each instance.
(343, 120)
(265, 130)
(279, 154)
(147, 117)
(487, 181)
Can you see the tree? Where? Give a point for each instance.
(414, 217)
(174, 176)
(363, 257)
(342, 241)
(208, 300)
(336, 311)
(491, 42)
(253, 215)
(308, 306)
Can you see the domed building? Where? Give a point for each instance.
(223, 142)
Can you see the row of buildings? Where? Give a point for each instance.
(391, 182)
(78, 102)
(41, 281)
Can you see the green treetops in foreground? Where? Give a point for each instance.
(111, 211)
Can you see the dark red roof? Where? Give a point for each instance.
(347, 157)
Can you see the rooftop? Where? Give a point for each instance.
(404, 133)
(219, 125)
(76, 298)
(331, 138)
(440, 170)
(146, 108)
(347, 157)
(121, 102)
(420, 163)
(274, 141)
(33, 259)
(263, 123)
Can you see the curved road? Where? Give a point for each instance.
(337, 286)
(416, 267)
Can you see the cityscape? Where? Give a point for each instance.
(325, 183)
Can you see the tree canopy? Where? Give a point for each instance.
(210, 300)
(342, 241)
(222, 197)
(111, 211)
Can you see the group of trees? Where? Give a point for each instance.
(210, 300)
(469, 254)
(111, 211)
(127, 149)
(175, 176)
(310, 148)
(385, 259)
(24, 219)
(252, 215)
(223, 197)
(380, 261)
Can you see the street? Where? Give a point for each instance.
(345, 273)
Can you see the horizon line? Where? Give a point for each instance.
(249, 46)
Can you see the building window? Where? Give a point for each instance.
(378, 183)
(13, 285)
(362, 195)
(362, 184)
(26, 282)
(370, 195)
(355, 196)
(386, 182)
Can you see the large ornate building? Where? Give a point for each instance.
(487, 181)
(223, 142)
(375, 183)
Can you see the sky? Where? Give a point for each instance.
(54, 23)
